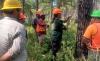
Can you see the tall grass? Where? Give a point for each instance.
(38, 53)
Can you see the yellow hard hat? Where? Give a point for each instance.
(11, 4)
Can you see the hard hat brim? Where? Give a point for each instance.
(9, 8)
(57, 13)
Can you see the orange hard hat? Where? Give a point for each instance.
(56, 11)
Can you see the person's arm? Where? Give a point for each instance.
(67, 19)
(34, 21)
(85, 42)
(19, 43)
(86, 39)
(6, 57)
(64, 27)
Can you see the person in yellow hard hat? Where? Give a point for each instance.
(12, 33)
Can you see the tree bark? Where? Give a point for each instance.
(84, 10)
(58, 3)
(37, 4)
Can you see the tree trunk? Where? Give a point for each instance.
(23, 5)
(51, 8)
(84, 10)
(58, 3)
(37, 4)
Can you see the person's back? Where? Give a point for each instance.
(58, 25)
(94, 30)
(10, 33)
(96, 37)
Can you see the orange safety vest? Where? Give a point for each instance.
(95, 44)
(41, 28)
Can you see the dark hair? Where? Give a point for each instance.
(10, 11)
(38, 15)
(96, 17)
(54, 17)
(43, 16)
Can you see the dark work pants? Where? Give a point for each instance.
(56, 42)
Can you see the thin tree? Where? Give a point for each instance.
(37, 5)
(51, 2)
(58, 3)
(23, 1)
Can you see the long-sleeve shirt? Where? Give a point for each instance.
(58, 25)
(13, 39)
